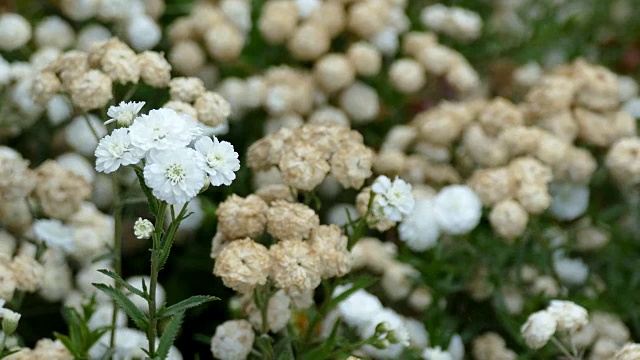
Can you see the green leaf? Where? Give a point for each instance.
(185, 305)
(169, 335)
(123, 283)
(66, 341)
(127, 305)
(153, 202)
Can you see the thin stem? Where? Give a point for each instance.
(3, 343)
(153, 283)
(130, 93)
(90, 125)
(117, 248)
(562, 348)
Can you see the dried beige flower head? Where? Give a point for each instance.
(186, 89)
(212, 109)
(331, 246)
(91, 90)
(623, 161)
(291, 221)
(242, 265)
(278, 20)
(407, 75)
(16, 179)
(242, 217)
(491, 346)
(59, 191)
(508, 219)
(351, 165)
(295, 266)
(155, 71)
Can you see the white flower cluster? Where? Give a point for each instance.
(162, 140)
(560, 315)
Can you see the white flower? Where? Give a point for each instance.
(457, 209)
(80, 136)
(129, 345)
(10, 320)
(220, 160)
(306, 7)
(538, 329)
(419, 229)
(436, 353)
(143, 32)
(143, 228)
(116, 150)
(124, 113)
(394, 198)
(59, 109)
(15, 31)
(570, 201)
(54, 233)
(418, 335)
(569, 316)
(78, 164)
(456, 347)
(103, 315)
(386, 40)
(358, 308)
(174, 176)
(570, 271)
(163, 129)
(233, 340)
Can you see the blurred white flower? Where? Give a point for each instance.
(570, 201)
(570, 271)
(54, 234)
(457, 209)
(419, 229)
(538, 329)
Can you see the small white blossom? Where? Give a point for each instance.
(569, 316)
(54, 233)
(143, 32)
(358, 308)
(116, 150)
(233, 340)
(457, 209)
(124, 113)
(174, 176)
(570, 271)
(538, 329)
(143, 228)
(221, 161)
(10, 320)
(163, 129)
(436, 353)
(570, 201)
(393, 198)
(419, 229)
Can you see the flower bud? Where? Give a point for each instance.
(10, 321)
(143, 228)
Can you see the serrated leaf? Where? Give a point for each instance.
(169, 335)
(139, 318)
(123, 283)
(185, 305)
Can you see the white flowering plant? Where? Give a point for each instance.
(157, 146)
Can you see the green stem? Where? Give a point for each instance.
(153, 284)
(130, 93)
(93, 130)
(3, 343)
(117, 249)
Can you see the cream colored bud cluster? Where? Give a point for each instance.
(623, 162)
(397, 277)
(57, 191)
(304, 253)
(491, 346)
(307, 31)
(561, 316)
(19, 272)
(306, 155)
(580, 101)
(605, 336)
(136, 20)
(219, 29)
(44, 349)
(436, 59)
(88, 77)
(188, 96)
(459, 23)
